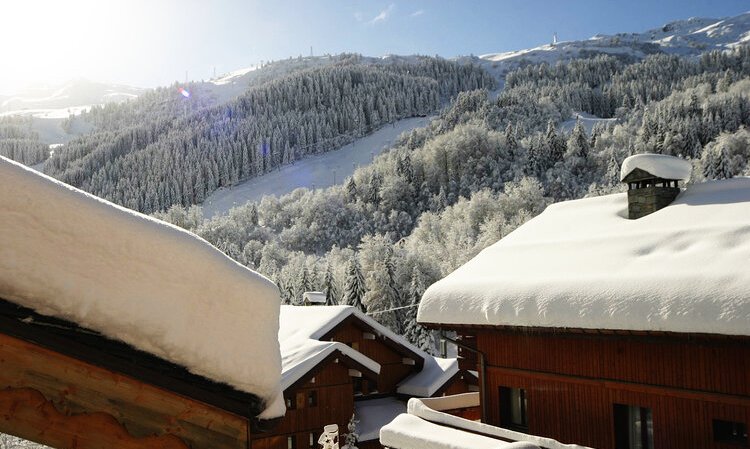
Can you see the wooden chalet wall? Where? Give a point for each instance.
(65, 403)
(392, 367)
(572, 381)
(331, 385)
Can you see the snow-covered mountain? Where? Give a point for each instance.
(73, 95)
(689, 37)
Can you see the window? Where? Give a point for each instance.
(301, 400)
(634, 427)
(730, 432)
(290, 403)
(443, 348)
(312, 440)
(513, 409)
(358, 383)
(355, 345)
(291, 442)
(312, 398)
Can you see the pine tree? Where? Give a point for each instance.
(612, 177)
(555, 144)
(351, 190)
(417, 334)
(354, 290)
(723, 165)
(578, 143)
(304, 285)
(329, 287)
(352, 437)
(253, 215)
(392, 299)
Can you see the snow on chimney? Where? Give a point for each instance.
(652, 181)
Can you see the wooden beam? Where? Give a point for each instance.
(85, 392)
(27, 414)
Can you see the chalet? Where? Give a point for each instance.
(118, 330)
(620, 321)
(337, 361)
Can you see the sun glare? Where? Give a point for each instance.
(47, 41)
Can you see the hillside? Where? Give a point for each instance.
(168, 148)
(483, 167)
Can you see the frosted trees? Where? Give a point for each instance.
(354, 290)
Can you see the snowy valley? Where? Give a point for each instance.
(541, 248)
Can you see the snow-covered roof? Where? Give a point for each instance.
(68, 254)
(659, 165)
(411, 432)
(441, 422)
(301, 350)
(374, 414)
(314, 297)
(435, 373)
(583, 264)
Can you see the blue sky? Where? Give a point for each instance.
(153, 42)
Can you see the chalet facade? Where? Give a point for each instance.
(121, 331)
(612, 332)
(337, 361)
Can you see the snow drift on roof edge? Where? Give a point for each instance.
(69, 254)
(582, 264)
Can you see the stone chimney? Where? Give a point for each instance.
(653, 181)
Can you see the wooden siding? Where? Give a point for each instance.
(392, 368)
(335, 405)
(572, 382)
(65, 403)
(461, 382)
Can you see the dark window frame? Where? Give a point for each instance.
(507, 406)
(624, 421)
(312, 398)
(730, 432)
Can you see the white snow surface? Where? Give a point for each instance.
(587, 120)
(411, 432)
(314, 297)
(373, 414)
(421, 409)
(659, 165)
(318, 171)
(69, 254)
(583, 264)
(436, 372)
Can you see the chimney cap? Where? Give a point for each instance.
(658, 165)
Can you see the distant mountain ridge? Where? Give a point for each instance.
(689, 37)
(74, 93)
